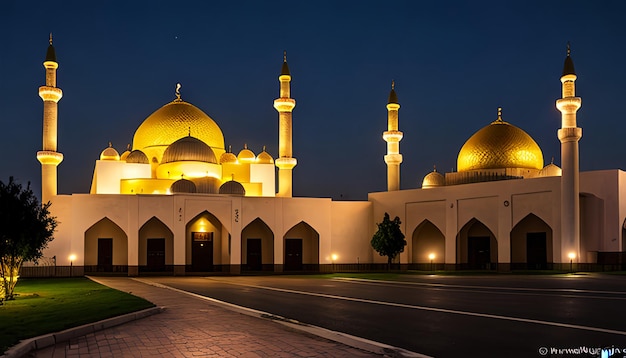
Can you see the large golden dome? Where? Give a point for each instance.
(500, 145)
(173, 121)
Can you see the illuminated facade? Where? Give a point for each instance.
(178, 201)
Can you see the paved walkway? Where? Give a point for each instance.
(193, 327)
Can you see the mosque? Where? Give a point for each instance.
(179, 202)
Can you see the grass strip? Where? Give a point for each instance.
(51, 305)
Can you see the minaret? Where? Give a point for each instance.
(48, 156)
(393, 137)
(569, 135)
(284, 105)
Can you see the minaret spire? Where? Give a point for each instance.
(48, 156)
(393, 137)
(285, 105)
(569, 135)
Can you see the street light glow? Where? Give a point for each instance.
(431, 256)
(571, 255)
(72, 257)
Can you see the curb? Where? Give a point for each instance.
(46, 340)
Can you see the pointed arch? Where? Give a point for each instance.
(427, 239)
(257, 246)
(156, 246)
(205, 240)
(301, 248)
(531, 244)
(106, 247)
(476, 246)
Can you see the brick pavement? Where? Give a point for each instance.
(192, 327)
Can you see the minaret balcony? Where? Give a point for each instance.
(569, 104)
(393, 159)
(392, 136)
(285, 162)
(49, 157)
(284, 104)
(53, 94)
(570, 134)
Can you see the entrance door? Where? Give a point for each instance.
(254, 257)
(479, 254)
(536, 251)
(105, 255)
(202, 251)
(156, 255)
(293, 254)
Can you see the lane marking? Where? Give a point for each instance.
(432, 309)
(486, 289)
(444, 285)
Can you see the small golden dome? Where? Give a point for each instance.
(183, 186)
(137, 156)
(433, 179)
(232, 188)
(109, 154)
(264, 158)
(500, 145)
(246, 155)
(124, 155)
(173, 121)
(188, 149)
(550, 170)
(228, 157)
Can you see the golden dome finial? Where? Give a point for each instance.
(434, 167)
(128, 146)
(568, 49)
(264, 148)
(499, 114)
(110, 145)
(285, 56)
(245, 146)
(552, 160)
(230, 148)
(393, 84)
(178, 86)
(51, 38)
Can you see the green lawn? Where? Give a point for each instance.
(51, 305)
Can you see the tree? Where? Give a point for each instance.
(389, 240)
(26, 228)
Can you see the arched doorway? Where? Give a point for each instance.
(477, 247)
(203, 243)
(257, 247)
(531, 244)
(156, 247)
(427, 240)
(301, 248)
(106, 247)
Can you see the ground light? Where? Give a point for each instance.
(431, 256)
(571, 256)
(72, 258)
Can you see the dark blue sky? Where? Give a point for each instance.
(453, 63)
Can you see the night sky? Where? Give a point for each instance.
(453, 64)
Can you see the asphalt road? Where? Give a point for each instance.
(445, 316)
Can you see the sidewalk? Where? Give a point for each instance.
(193, 327)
